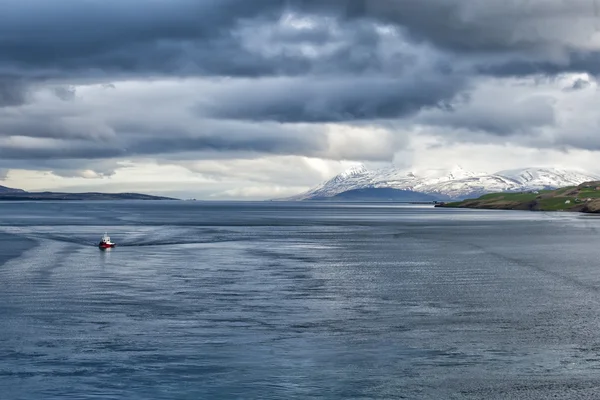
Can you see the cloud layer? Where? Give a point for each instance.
(88, 85)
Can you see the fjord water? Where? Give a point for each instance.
(296, 300)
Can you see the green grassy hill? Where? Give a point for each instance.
(582, 198)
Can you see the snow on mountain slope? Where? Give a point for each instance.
(545, 176)
(455, 183)
(356, 170)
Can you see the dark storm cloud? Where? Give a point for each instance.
(572, 61)
(521, 118)
(54, 127)
(65, 93)
(183, 37)
(112, 38)
(579, 84)
(273, 145)
(494, 37)
(108, 38)
(224, 137)
(61, 38)
(501, 117)
(332, 100)
(13, 92)
(58, 150)
(75, 28)
(292, 61)
(48, 138)
(472, 25)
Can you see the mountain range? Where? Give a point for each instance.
(438, 184)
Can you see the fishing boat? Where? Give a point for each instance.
(105, 242)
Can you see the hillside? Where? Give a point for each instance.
(380, 194)
(581, 198)
(8, 190)
(451, 184)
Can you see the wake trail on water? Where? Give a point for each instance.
(170, 236)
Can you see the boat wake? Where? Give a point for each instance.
(170, 236)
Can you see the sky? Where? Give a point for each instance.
(239, 99)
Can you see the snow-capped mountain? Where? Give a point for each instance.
(455, 183)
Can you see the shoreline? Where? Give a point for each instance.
(571, 210)
(584, 198)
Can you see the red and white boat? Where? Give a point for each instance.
(105, 242)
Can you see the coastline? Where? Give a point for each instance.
(91, 196)
(584, 198)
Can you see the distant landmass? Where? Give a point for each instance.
(445, 185)
(379, 194)
(4, 189)
(581, 198)
(7, 193)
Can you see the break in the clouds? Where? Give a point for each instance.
(240, 94)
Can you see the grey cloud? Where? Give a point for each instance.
(345, 61)
(176, 38)
(13, 92)
(347, 37)
(64, 167)
(332, 100)
(52, 38)
(244, 38)
(223, 144)
(476, 25)
(40, 137)
(503, 117)
(132, 134)
(580, 84)
(587, 141)
(264, 171)
(188, 38)
(65, 93)
(55, 127)
(57, 150)
(497, 37)
(571, 61)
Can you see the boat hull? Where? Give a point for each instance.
(106, 246)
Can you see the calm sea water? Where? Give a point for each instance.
(294, 301)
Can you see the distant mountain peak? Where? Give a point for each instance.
(354, 170)
(452, 183)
